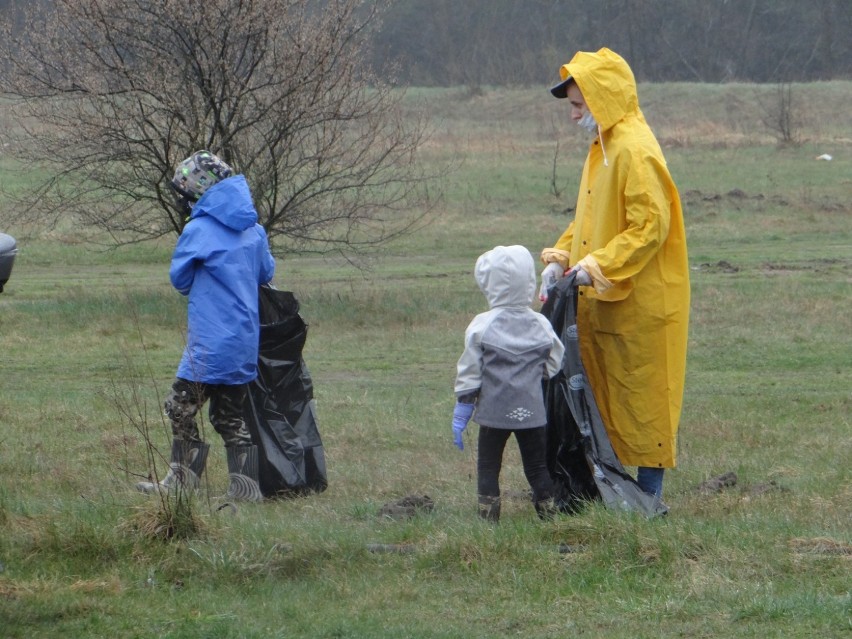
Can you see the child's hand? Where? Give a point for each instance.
(457, 437)
(551, 274)
(461, 416)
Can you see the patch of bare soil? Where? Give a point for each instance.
(718, 483)
(407, 507)
(734, 195)
(722, 266)
(777, 268)
(729, 479)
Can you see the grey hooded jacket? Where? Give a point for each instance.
(510, 349)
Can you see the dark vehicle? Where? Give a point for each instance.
(8, 251)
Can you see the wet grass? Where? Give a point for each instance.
(767, 398)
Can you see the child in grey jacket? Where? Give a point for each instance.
(509, 351)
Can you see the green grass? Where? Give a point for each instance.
(90, 339)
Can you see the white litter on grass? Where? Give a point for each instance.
(824, 156)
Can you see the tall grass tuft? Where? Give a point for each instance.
(171, 517)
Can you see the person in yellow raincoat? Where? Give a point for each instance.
(628, 247)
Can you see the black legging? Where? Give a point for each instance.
(533, 447)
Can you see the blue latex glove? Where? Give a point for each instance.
(461, 416)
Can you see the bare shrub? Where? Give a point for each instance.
(780, 114)
(172, 514)
(109, 96)
(173, 519)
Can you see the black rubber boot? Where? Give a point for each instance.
(243, 474)
(489, 508)
(188, 460)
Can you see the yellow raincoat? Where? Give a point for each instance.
(628, 234)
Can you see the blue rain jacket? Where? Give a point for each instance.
(220, 259)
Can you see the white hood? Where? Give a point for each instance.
(506, 276)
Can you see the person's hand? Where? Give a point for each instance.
(461, 416)
(581, 276)
(551, 274)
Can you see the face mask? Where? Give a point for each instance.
(588, 122)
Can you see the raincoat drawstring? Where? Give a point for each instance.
(603, 150)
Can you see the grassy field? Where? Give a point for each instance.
(86, 335)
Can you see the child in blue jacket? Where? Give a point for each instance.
(509, 351)
(220, 259)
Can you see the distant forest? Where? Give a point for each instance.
(523, 42)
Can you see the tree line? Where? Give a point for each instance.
(523, 42)
(514, 42)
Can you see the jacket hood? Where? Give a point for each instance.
(607, 84)
(506, 276)
(229, 202)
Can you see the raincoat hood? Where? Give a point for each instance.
(506, 276)
(229, 202)
(607, 84)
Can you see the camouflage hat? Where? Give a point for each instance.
(198, 173)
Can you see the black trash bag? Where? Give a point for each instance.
(280, 410)
(580, 457)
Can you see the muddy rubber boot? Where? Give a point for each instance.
(187, 463)
(546, 509)
(489, 508)
(243, 474)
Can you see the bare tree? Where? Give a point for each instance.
(110, 95)
(780, 114)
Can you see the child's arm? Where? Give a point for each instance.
(468, 381)
(469, 367)
(189, 253)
